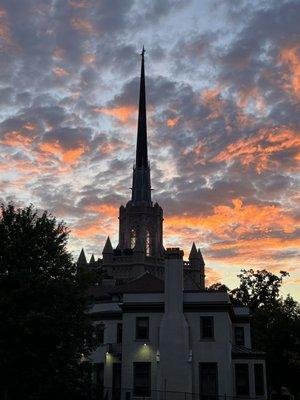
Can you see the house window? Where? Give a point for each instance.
(208, 379)
(132, 238)
(142, 379)
(207, 327)
(241, 379)
(148, 244)
(119, 332)
(98, 369)
(99, 334)
(239, 335)
(259, 379)
(142, 328)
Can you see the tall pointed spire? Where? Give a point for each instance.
(193, 252)
(141, 147)
(141, 187)
(82, 258)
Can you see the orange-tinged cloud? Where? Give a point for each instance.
(109, 147)
(211, 94)
(16, 139)
(212, 100)
(98, 226)
(261, 252)
(260, 243)
(105, 209)
(291, 59)
(78, 3)
(69, 156)
(59, 53)
(212, 276)
(61, 72)
(123, 114)
(87, 231)
(88, 58)
(82, 25)
(251, 95)
(171, 122)
(259, 149)
(30, 126)
(238, 219)
(6, 41)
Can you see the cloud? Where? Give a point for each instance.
(123, 114)
(291, 59)
(269, 149)
(223, 120)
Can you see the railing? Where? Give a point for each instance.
(130, 394)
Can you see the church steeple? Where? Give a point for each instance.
(141, 187)
(141, 221)
(141, 146)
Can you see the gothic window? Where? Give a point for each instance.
(132, 238)
(148, 244)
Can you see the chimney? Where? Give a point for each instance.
(174, 366)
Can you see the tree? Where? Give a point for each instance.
(219, 287)
(258, 288)
(45, 332)
(275, 325)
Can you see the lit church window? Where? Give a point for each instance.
(148, 244)
(132, 238)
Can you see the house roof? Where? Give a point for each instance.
(146, 283)
(246, 353)
(99, 292)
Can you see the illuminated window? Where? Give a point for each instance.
(132, 238)
(148, 244)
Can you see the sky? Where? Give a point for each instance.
(223, 91)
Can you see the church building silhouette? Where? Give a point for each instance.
(160, 333)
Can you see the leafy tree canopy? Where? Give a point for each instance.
(45, 333)
(275, 325)
(258, 288)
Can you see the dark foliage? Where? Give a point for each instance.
(275, 326)
(258, 288)
(44, 332)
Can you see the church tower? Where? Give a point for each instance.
(141, 222)
(140, 248)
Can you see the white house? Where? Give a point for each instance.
(159, 341)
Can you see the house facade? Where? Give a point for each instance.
(161, 334)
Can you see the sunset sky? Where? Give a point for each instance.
(223, 91)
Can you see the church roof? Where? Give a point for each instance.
(82, 258)
(200, 257)
(108, 249)
(146, 283)
(193, 253)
